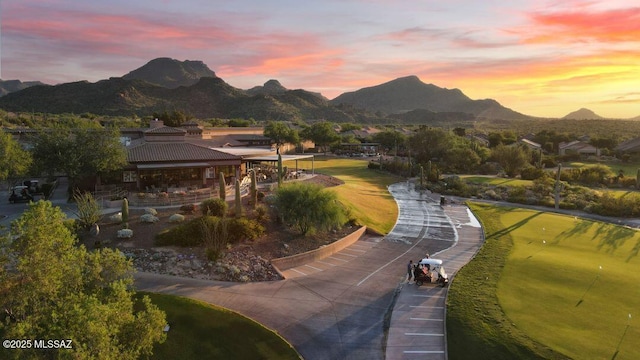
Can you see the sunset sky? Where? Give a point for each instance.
(539, 57)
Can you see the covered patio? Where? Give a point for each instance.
(266, 166)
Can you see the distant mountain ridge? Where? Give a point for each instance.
(9, 86)
(166, 84)
(271, 87)
(171, 73)
(582, 114)
(209, 97)
(410, 93)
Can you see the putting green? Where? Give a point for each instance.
(569, 283)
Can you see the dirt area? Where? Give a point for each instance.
(247, 261)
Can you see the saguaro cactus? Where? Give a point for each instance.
(238, 200)
(254, 189)
(558, 187)
(540, 164)
(125, 213)
(223, 186)
(421, 177)
(279, 170)
(428, 170)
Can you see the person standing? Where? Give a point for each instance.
(410, 271)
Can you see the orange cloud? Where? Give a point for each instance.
(609, 26)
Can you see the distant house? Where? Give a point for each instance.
(479, 138)
(629, 147)
(531, 144)
(363, 133)
(577, 147)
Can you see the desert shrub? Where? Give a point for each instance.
(220, 231)
(374, 165)
(116, 218)
(214, 207)
(215, 236)
(148, 218)
(489, 168)
(260, 196)
(188, 209)
(308, 207)
(72, 225)
(628, 182)
(125, 234)
(213, 253)
(453, 185)
(531, 173)
(270, 199)
(185, 234)
(262, 213)
(176, 218)
(151, 211)
(592, 175)
(617, 206)
(244, 229)
(88, 212)
(491, 194)
(517, 194)
(543, 186)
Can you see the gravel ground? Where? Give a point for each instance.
(247, 261)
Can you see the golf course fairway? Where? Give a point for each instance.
(550, 286)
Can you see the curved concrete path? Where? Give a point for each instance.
(337, 307)
(417, 328)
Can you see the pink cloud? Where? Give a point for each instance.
(224, 46)
(114, 33)
(608, 26)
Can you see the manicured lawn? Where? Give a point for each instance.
(203, 331)
(495, 181)
(364, 191)
(629, 169)
(536, 289)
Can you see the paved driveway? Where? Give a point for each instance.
(336, 308)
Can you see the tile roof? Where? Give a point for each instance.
(174, 151)
(166, 130)
(629, 145)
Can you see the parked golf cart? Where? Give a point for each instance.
(431, 272)
(20, 193)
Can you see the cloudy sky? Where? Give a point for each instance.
(539, 57)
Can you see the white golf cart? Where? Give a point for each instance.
(431, 271)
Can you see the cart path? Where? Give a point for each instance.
(335, 308)
(417, 328)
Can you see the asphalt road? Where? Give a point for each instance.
(340, 307)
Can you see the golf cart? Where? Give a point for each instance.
(20, 193)
(431, 271)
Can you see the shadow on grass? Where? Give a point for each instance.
(513, 227)
(610, 237)
(634, 251)
(581, 228)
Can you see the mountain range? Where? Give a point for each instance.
(170, 73)
(165, 84)
(9, 86)
(410, 93)
(582, 114)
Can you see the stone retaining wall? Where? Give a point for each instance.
(300, 259)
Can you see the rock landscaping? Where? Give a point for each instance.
(243, 262)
